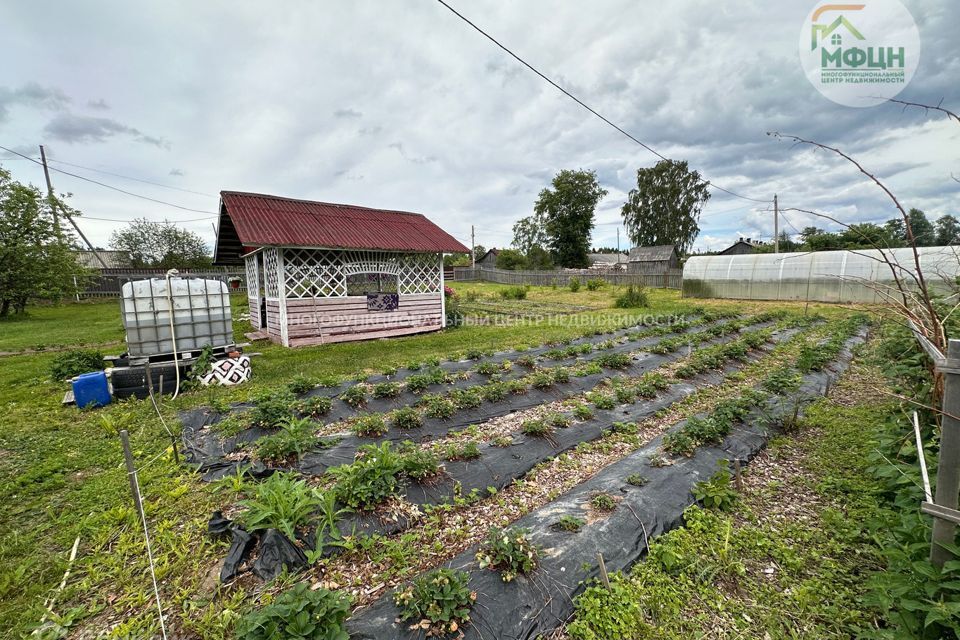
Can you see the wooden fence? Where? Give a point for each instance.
(106, 283)
(667, 279)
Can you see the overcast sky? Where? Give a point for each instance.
(401, 105)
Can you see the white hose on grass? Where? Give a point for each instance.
(173, 334)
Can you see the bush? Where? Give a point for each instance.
(406, 418)
(632, 298)
(369, 480)
(594, 284)
(68, 364)
(369, 425)
(574, 284)
(315, 406)
(442, 597)
(514, 293)
(295, 437)
(280, 502)
(301, 384)
(300, 613)
(510, 551)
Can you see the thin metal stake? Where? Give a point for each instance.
(135, 490)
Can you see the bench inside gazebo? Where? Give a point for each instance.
(319, 272)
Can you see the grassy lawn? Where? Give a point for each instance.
(61, 474)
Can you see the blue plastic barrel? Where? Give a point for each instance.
(91, 390)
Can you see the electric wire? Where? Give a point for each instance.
(107, 186)
(120, 175)
(578, 100)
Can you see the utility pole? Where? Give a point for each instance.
(53, 209)
(776, 225)
(46, 175)
(473, 254)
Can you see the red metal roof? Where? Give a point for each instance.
(264, 220)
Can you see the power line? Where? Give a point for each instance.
(578, 100)
(85, 217)
(120, 175)
(107, 186)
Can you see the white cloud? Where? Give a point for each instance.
(404, 106)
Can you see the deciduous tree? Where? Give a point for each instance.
(36, 259)
(161, 245)
(665, 207)
(568, 210)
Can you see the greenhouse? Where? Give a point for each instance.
(822, 276)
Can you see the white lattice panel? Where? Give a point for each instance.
(253, 280)
(322, 273)
(271, 273)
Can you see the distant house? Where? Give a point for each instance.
(741, 247)
(607, 260)
(489, 259)
(656, 259)
(113, 259)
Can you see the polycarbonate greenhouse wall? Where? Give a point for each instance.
(822, 276)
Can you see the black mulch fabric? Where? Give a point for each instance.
(533, 606)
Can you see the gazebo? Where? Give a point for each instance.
(319, 272)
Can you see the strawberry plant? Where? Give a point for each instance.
(602, 501)
(386, 390)
(441, 598)
(299, 614)
(295, 437)
(419, 463)
(315, 406)
(301, 384)
(271, 408)
(510, 551)
(466, 450)
(369, 425)
(355, 396)
(406, 418)
(438, 407)
(569, 523)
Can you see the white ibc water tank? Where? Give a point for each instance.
(201, 315)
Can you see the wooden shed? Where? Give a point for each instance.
(319, 272)
(655, 259)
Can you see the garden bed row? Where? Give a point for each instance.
(470, 403)
(615, 513)
(495, 467)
